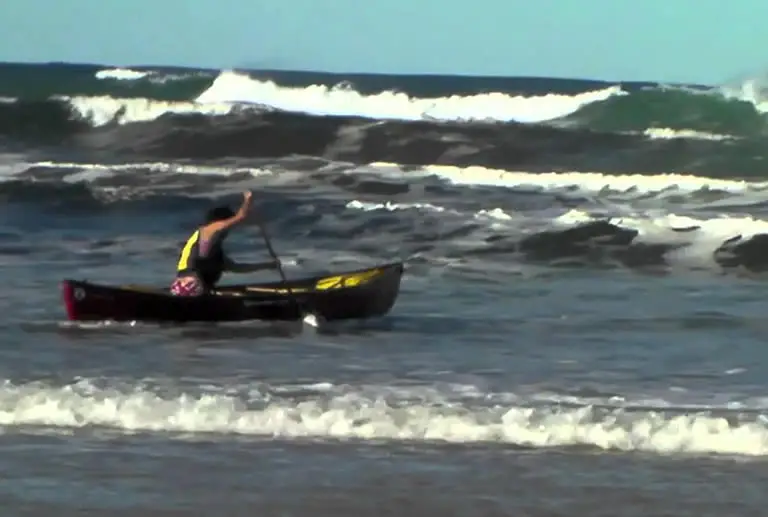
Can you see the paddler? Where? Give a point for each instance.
(203, 261)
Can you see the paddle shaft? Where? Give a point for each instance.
(271, 250)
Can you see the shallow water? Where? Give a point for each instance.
(556, 392)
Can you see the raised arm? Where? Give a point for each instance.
(240, 215)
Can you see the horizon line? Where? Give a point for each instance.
(247, 68)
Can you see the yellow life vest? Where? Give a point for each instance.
(186, 251)
(208, 268)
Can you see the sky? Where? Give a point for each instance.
(700, 41)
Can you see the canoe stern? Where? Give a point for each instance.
(68, 296)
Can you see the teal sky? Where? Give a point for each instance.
(704, 41)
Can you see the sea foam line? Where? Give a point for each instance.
(592, 182)
(360, 416)
(584, 182)
(176, 168)
(121, 74)
(665, 133)
(153, 76)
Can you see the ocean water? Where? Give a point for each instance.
(580, 328)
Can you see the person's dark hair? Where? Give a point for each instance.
(218, 213)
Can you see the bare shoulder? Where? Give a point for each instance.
(207, 231)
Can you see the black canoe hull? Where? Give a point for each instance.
(363, 293)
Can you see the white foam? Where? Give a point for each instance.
(390, 206)
(233, 87)
(665, 133)
(175, 168)
(700, 238)
(585, 182)
(11, 165)
(491, 214)
(361, 416)
(494, 214)
(105, 109)
(749, 89)
(700, 243)
(121, 74)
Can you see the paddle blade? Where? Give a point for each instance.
(311, 320)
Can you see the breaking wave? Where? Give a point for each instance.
(326, 411)
(185, 131)
(540, 125)
(589, 104)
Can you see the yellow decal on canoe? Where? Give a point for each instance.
(349, 280)
(327, 283)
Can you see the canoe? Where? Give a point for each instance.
(362, 293)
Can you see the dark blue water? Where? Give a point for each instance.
(565, 342)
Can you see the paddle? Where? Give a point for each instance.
(309, 319)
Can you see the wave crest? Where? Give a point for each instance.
(322, 412)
